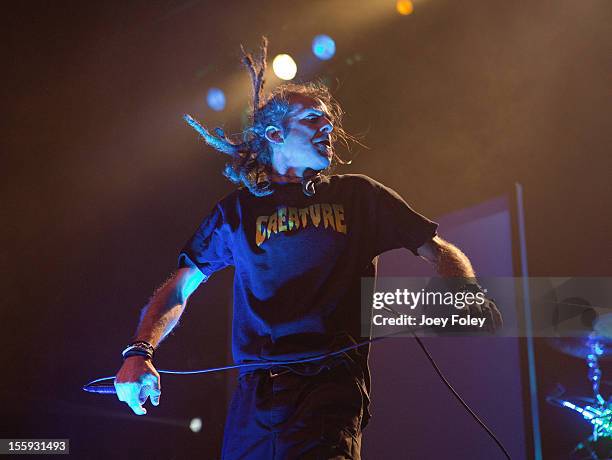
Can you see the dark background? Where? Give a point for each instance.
(103, 182)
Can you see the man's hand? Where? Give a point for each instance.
(470, 299)
(454, 266)
(487, 310)
(136, 381)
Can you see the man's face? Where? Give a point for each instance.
(306, 142)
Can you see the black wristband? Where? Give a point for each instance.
(139, 348)
(136, 352)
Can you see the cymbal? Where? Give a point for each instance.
(582, 329)
(581, 347)
(603, 325)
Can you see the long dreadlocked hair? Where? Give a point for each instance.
(251, 158)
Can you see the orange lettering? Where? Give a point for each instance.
(315, 214)
(260, 230)
(272, 225)
(328, 216)
(339, 214)
(294, 220)
(304, 216)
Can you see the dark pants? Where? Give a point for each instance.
(279, 414)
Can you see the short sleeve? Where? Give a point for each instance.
(208, 248)
(397, 224)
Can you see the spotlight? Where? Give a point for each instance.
(323, 47)
(215, 98)
(195, 425)
(284, 67)
(404, 7)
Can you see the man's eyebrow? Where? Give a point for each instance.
(299, 109)
(319, 111)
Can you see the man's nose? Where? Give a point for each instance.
(327, 127)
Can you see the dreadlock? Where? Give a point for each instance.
(251, 158)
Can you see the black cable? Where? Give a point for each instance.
(463, 403)
(96, 386)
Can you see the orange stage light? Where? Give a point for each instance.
(404, 7)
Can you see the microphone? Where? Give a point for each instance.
(101, 386)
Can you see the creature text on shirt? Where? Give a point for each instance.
(286, 219)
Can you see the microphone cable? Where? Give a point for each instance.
(99, 386)
(459, 398)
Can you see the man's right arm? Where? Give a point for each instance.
(137, 379)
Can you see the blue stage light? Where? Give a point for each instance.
(215, 99)
(323, 47)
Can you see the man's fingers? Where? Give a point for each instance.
(155, 395)
(137, 408)
(119, 391)
(149, 392)
(490, 325)
(153, 381)
(496, 317)
(123, 391)
(144, 394)
(151, 388)
(154, 389)
(132, 398)
(476, 309)
(487, 315)
(499, 321)
(136, 381)
(129, 393)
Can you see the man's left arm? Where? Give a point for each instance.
(448, 259)
(450, 262)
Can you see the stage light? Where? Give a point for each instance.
(215, 98)
(404, 7)
(284, 67)
(323, 47)
(196, 424)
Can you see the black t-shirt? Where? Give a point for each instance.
(299, 261)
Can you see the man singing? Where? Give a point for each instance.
(300, 240)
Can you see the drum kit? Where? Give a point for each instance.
(593, 343)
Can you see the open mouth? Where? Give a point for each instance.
(323, 145)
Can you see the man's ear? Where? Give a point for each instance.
(274, 135)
